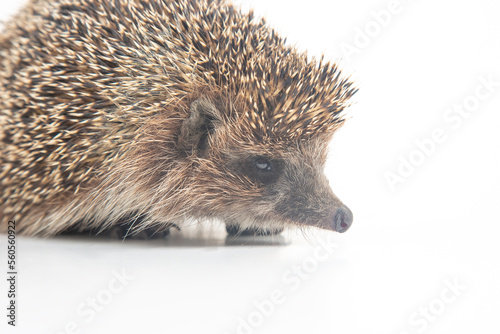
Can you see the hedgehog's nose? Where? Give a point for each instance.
(342, 219)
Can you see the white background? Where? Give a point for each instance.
(391, 272)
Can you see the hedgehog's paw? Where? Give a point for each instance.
(236, 230)
(124, 232)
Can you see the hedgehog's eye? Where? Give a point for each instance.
(263, 165)
(263, 169)
(259, 168)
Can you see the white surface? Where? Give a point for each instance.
(406, 246)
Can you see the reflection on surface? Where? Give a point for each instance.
(199, 236)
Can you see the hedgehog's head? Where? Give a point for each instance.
(259, 156)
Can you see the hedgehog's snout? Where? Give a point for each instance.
(342, 219)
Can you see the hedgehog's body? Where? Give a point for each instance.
(164, 111)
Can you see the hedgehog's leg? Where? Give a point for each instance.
(125, 229)
(130, 227)
(122, 231)
(236, 230)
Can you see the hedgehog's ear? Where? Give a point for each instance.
(197, 128)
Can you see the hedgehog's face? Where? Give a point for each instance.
(261, 186)
(290, 187)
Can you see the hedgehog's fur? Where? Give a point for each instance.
(154, 109)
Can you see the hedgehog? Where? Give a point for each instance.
(151, 114)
